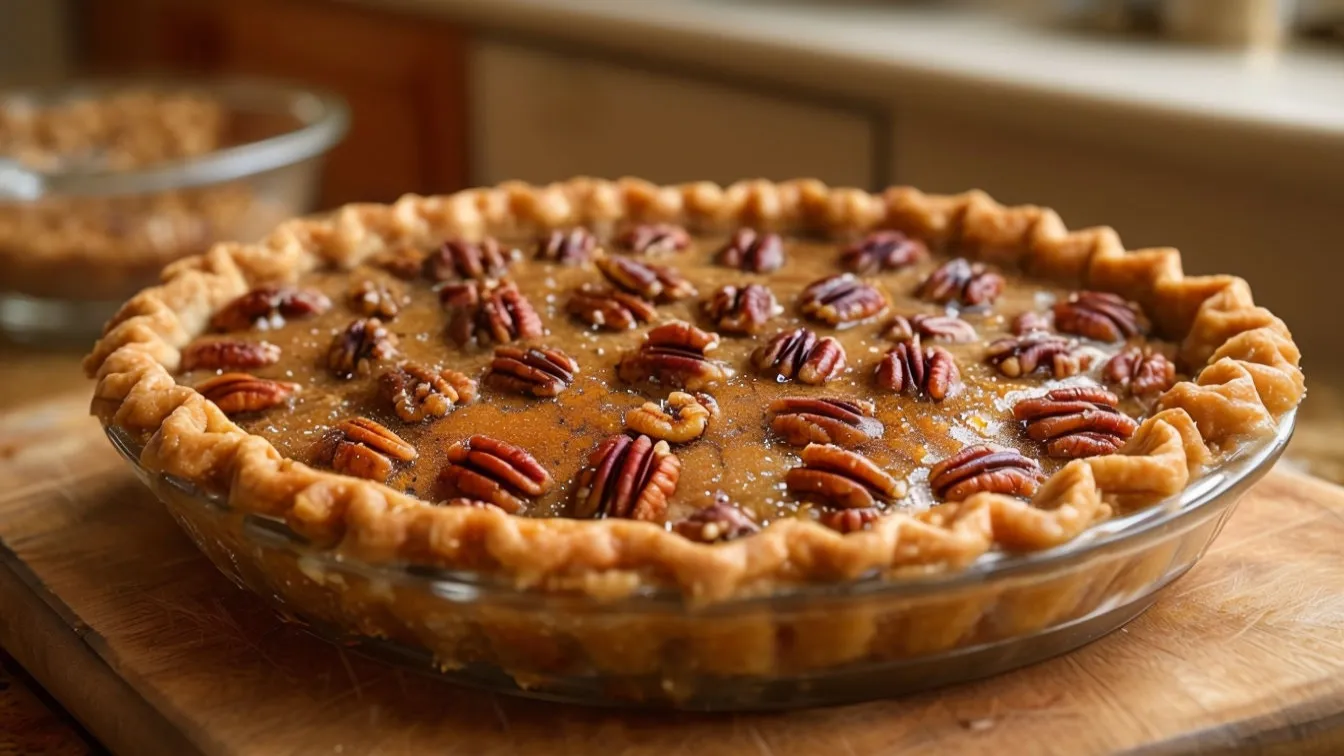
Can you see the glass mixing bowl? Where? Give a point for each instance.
(79, 236)
(807, 645)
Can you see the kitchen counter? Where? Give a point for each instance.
(1189, 103)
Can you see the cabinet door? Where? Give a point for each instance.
(404, 78)
(543, 116)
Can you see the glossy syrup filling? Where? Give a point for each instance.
(738, 454)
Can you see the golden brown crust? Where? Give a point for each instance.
(1245, 363)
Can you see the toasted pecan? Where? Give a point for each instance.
(837, 477)
(487, 469)
(981, 468)
(1080, 421)
(882, 251)
(268, 307)
(236, 393)
(962, 282)
(805, 420)
(228, 354)
(537, 371)
(840, 300)
(628, 477)
(799, 355)
(674, 354)
(911, 368)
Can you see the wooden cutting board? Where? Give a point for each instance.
(111, 608)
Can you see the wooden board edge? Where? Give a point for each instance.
(1313, 727)
(69, 666)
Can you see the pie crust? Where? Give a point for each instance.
(1248, 380)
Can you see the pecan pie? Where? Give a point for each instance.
(717, 392)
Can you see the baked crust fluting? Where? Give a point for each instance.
(1241, 359)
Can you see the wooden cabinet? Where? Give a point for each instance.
(539, 115)
(403, 77)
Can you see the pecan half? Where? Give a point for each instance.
(910, 368)
(800, 355)
(1016, 356)
(462, 260)
(680, 419)
(674, 354)
(720, 521)
(236, 393)
(1081, 421)
(1100, 316)
(849, 520)
(574, 246)
(628, 477)
(538, 371)
(604, 307)
(490, 470)
(1030, 321)
(417, 393)
(741, 310)
(656, 282)
(354, 350)
(841, 299)
(1143, 370)
(753, 251)
(882, 251)
(708, 402)
(268, 307)
(653, 238)
(404, 261)
(961, 281)
(228, 355)
(379, 299)
(803, 420)
(985, 468)
(837, 477)
(360, 461)
(368, 449)
(489, 311)
(940, 327)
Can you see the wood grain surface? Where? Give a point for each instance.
(155, 651)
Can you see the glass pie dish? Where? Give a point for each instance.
(102, 184)
(808, 645)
